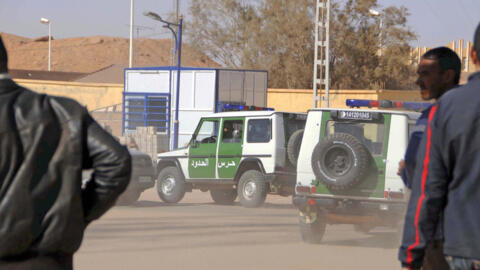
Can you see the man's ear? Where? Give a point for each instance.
(449, 76)
(473, 55)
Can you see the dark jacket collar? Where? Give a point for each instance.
(7, 85)
(474, 76)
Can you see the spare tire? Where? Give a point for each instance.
(293, 146)
(340, 161)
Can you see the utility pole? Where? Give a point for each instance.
(47, 21)
(130, 58)
(321, 68)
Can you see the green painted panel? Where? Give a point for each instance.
(230, 149)
(202, 156)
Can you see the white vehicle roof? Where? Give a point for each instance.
(409, 114)
(246, 113)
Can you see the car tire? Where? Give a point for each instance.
(170, 185)
(340, 161)
(129, 197)
(223, 196)
(313, 230)
(293, 146)
(252, 189)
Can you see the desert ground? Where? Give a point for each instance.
(198, 234)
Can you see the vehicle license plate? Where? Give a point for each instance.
(353, 115)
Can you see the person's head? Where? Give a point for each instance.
(3, 57)
(227, 127)
(475, 52)
(438, 71)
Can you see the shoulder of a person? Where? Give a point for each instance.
(456, 94)
(449, 105)
(66, 107)
(30, 102)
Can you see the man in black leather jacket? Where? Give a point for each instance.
(45, 142)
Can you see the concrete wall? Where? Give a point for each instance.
(96, 96)
(110, 120)
(91, 95)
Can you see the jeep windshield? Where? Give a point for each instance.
(370, 134)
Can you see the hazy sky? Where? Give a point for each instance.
(437, 22)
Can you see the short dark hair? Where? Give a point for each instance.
(476, 40)
(3, 57)
(447, 59)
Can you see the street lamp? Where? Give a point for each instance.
(178, 48)
(47, 21)
(375, 13)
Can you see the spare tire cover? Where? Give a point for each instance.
(293, 146)
(340, 161)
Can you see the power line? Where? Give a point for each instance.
(462, 6)
(438, 17)
(463, 13)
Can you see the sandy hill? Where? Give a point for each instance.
(89, 54)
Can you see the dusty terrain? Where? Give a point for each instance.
(198, 234)
(89, 54)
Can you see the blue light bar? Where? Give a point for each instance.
(237, 107)
(407, 105)
(232, 107)
(362, 103)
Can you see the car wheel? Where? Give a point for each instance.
(223, 196)
(170, 185)
(252, 189)
(340, 161)
(293, 146)
(312, 227)
(129, 197)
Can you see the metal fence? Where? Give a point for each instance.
(146, 109)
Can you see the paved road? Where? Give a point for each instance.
(197, 234)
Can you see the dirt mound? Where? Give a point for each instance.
(89, 54)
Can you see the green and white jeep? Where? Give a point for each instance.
(347, 170)
(249, 153)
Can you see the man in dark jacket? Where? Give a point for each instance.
(45, 142)
(438, 72)
(447, 178)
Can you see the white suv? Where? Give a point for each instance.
(347, 169)
(249, 153)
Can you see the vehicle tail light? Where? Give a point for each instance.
(303, 189)
(395, 195)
